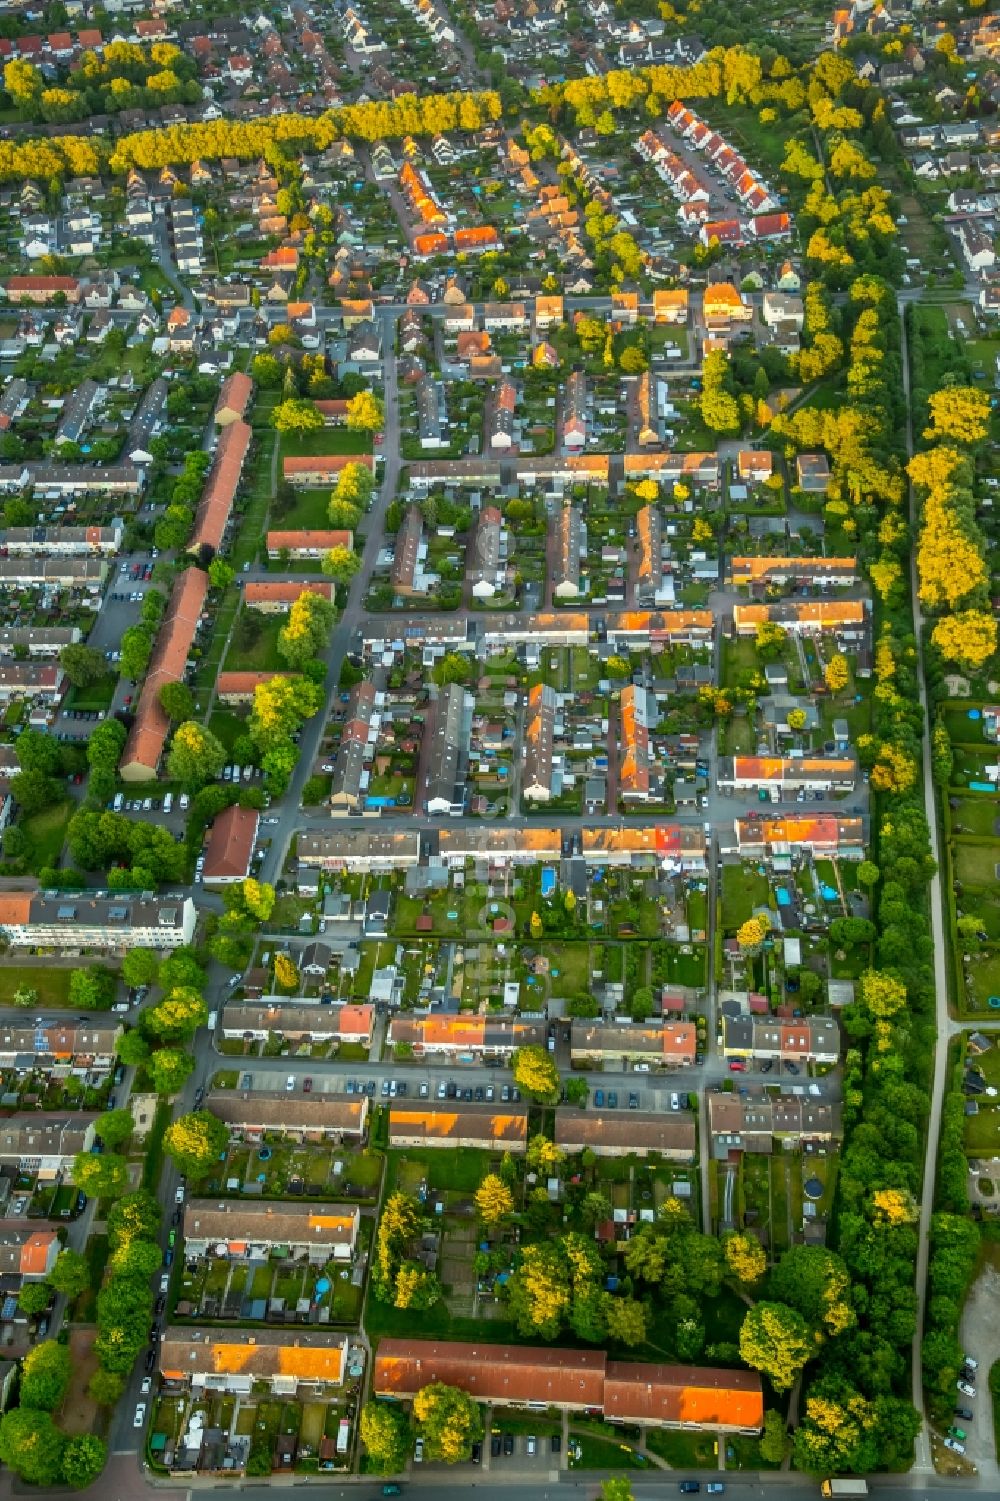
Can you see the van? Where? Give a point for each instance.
(168, 803)
(119, 801)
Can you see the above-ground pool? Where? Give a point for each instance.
(548, 880)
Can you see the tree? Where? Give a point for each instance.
(365, 413)
(449, 1420)
(745, 1257)
(641, 1005)
(105, 1387)
(959, 413)
(297, 415)
(220, 574)
(633, 360)
(815, 1282)
(883, 995)
(45, 1375)
(249, 901)
(836, 673)
(774, 1438)
(774, 1339)
(770, 638)
(103, 1176)
(136, 1259)
(176, 701)
(340, 564)
(625, 1320)
(31, 1445)
(968, 638)
(307, 629)
(193, 1142)
(178, 1016)
(84, 1458)
(136, 649)
(169, 1069)
(135, 1216)
(33, 1298)
(25, 995)
(139, 966)
(70, 1273)
(23, 82)
(196, 755)
(83, 665)
(535, 1072)
(133, 1049)
(116, 1127)
(33, 791)
(494, 1199)
(618, 1488)
(286, 974)
(91, 989)
(105, 745)
(385, 1434)
(751, 935)
(181, 969)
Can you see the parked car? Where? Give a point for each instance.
(531, 1443)
(508, 1443)
(737, 1066)
(418, 1451)
(140, 1415)
(689, 1487)
(966, 1389)
(954, 1446)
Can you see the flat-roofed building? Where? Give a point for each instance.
(112, 922)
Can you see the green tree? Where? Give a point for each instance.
(45, 1375)
(449, 1420)
(774, 1339)
(136, 647)
(135, 1216)
(298, 416)
(91, 989)
(774, 1438)
(170, 1068)
(196, 756)
(385, 1434)
(84, 1458)
(70, 1273)
(133, 1049)
(100, 1177)
(181, 969)
(618, 1488)
(220, 573)
(194, 1142)
(116, 1127)
(83, 665)
(136, 1259)
(32, 1446)
(33, 1298)
(176, 701)
(178, 1016)
(139, 967)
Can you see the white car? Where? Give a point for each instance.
(179, 1195)
(147, 1385)
(290, 1083)
(965, 1388)
(140, 1415)
(954, 1446)
(969, 1363)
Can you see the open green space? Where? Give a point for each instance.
(323, 441)
(744, 887)
(254, 644)
(46, 831)
(51, 984)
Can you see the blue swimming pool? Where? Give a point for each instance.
(783, 898)
(548, 880)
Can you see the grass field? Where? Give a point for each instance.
(51, 984)
(324, 441)
(976, 864)
(743, 889)
(309, 509)
(976, 815)
(254, 647)
(47, 833)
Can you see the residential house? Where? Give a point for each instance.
(571, 547)
(255, 1231)
(109, 922)
(670, 1045)
(354, 752)
(448, 751)
(765, 1125)
(538, 783)
(45, 1142)
(168, 664)
(451, 1124)
(302, 1117)
(286, 1362)
(618, 1133)
(230, 848)
(486, 569)
(761, 1039)
(465, 1037)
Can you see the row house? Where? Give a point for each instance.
(783, 776)
(670, 1045)
(465, 1038)
(313, 1232)
(763, 1039)
(822, 836)
(766, 1125)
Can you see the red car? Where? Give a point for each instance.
(307, 1085)
(737, 1067)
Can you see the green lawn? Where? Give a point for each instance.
(47, 832)
(604, 1454)
(682, 1451)
(743, 889)
(227, 726)
(463, 1168)
(310, 509)
(324, 441)
(254, 647)
(976, 864)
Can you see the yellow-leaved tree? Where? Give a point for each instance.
(494, 1199)
(961, 413)
(751, 934)
(969, 638)
(882, 994)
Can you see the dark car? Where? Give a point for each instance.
(964, 1413)
(612, 1100)
(495, 1446)
(199, 1095)
(150, 1359)
(477, 1452)
(555, 1443)
(689, 1487)
(508, 1443)
(161, 1304)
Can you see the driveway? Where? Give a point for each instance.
(979, 1325)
